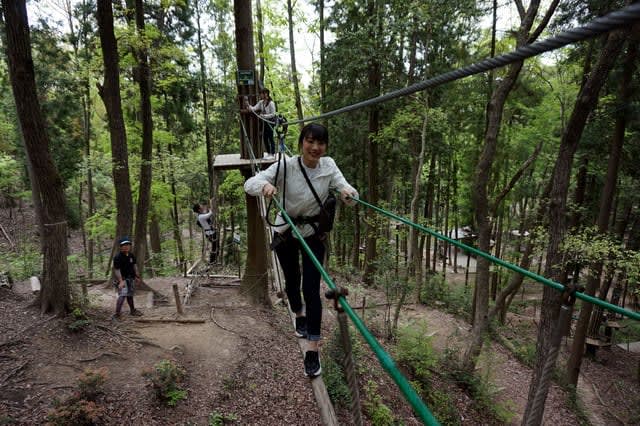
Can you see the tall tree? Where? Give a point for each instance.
(82, 50)
(254, 281)
(480, 195)
(205, 110)
(294, 70)
(110, 93)
(374, 78)
(604, 216)
(47, 184)
(585, 102)
(144, 191)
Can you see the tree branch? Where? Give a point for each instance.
(516, 177)
(520, 7)
(545, 21)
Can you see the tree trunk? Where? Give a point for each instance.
(480, 198)
(144, 191)
(428, 210)
(110, 94)
(323, 79)
(414, 266)
(613, 47)
(205, 110)
(294, 71)
(254, 282)
(374, 80)
(46, 181)
(261, 56)
(585, 102)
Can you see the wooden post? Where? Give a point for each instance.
(176, 294)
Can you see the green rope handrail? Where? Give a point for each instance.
(516, 268)
(385, 359)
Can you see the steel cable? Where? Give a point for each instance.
(598, 26)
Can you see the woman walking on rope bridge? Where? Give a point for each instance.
(304, 182)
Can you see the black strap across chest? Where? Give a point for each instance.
(306, 177)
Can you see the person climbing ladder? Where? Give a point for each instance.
(205, 221)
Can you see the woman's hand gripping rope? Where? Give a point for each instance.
(269, 190)
(347, 196)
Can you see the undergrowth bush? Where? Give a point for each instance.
(415, 351)
(165, 378)
(220, 419)
(379, 414)
(80, 320)
(438, 293)
(91, 383)
(81, 408)
(333, 372)
(77, 412)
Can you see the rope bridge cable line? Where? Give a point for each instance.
(598, 26)
(385, 359)
(496, 260)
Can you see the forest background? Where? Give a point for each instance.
(545, 149)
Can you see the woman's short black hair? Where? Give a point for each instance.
(315, 131)
(196, 208)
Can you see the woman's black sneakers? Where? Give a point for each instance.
(301, 327)
(312, 364)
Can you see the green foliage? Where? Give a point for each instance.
(165, 378)
(333, 372)
(415, 351)
(481, 390)
(379, 413)
(25, 264)
(395, 287)
(79, 325)
(220, 419)
(439, 403)
(10, 172)
(91, 383)
(629, 331)
(455, 299)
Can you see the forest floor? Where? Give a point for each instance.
(244, 366)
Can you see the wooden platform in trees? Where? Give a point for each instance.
(233, 161)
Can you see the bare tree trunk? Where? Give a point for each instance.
(255, 280)
(323, 79)
(613, 47)
(374, 80)
(88, 242)
(110, 94)
(261, 56)
(46, 181)
(585, 102)
(428, 209)
(480, 199)
(144, 191)
(414, 267)
(205, 110)
(294, 71)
